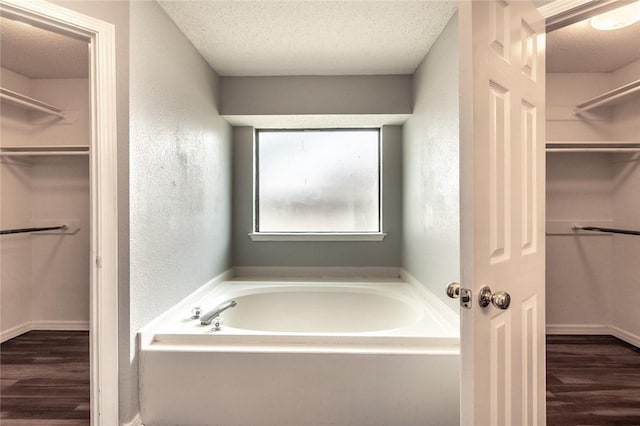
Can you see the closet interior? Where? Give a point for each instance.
(44, 156)
(593, 180)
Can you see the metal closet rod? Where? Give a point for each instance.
(608, 230)
(24, 230)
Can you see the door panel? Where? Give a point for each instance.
(529, 178)
(499, 28)
(502, 211)
(500, 368)
(530, 350)
(500, 172)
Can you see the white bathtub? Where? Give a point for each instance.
(305, 353)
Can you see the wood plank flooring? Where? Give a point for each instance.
(44, 379)
(592, 380)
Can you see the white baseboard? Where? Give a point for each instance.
(587, 329)
(594, 329)
(628, 337)
(136, 421)
(15, 331)
(317, 271)
(43, 325)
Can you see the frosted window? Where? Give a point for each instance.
(318, 181)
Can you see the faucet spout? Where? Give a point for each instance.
(209, 316)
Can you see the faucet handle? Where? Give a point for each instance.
(196, 312)
(217, 323)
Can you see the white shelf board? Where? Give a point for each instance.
(609, 97)
(26, 102)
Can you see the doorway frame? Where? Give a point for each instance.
(103, 316)
(559, 14)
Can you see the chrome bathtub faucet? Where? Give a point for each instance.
(215, 312)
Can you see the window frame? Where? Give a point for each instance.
(257, 235)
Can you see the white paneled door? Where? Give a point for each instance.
(502, 212)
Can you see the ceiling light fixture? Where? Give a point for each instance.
(617, 18)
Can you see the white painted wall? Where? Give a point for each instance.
(626, 207)
(564, 92)
(592, 280)
(180, 173)
(45, 277)
(15, 250)
(626, 249)
(16, 130)
(431, 224)
(625, 114)
(317, 253)
(13, 81)
(60, 263)
(579, 268)
(15, 208)
(72, 95)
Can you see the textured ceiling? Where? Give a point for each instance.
(580, 48)
(312, 38)
(260, 38)
(37, 53)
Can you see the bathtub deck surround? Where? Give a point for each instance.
(303, 350)
(301, 315)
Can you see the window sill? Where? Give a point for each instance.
(321, 236)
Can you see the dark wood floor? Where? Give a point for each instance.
(44, 379)
(592, 380)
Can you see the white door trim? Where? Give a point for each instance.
(558, 7)
(103, 188)
(561, 13)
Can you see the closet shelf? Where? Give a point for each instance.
(29, 103)
(593, 146)
(44, 150)
(609, 97)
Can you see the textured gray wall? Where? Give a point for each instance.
(180, 168)
(321, 253)
(354, 94)
(431, 223)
